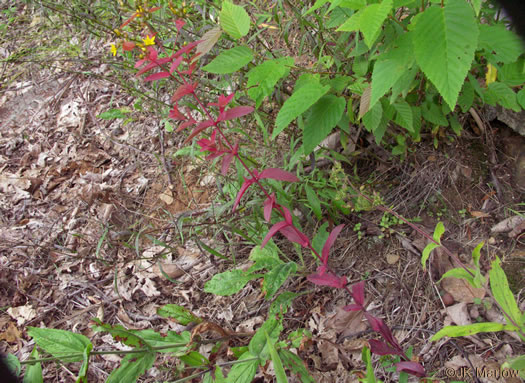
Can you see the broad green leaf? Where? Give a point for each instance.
(313, 201)
(257, 346)
(476, 4)
(324, 116)
(504, 95)
(471, 329)
(518, 363)
(351, 24)
(461, 273)
(466, 98)
(282, 303)
(337, 17)
(228, 283)
(426, 253)
(444, 43)
(351, 4)
(372, 121)
(320, 238)
(301, 99)
(60, 343)
(34, 371)
(263, 78)
(280, 375)
(296, 365)
(502, 293)
(181, 314)
(404, 116)
(132, 367)
(230, 60)
(405, 83)
(275, 278)
(113, 114)
(372, 19)
(506, 46)
(521, 97)
(432, 113)
(391, 66)
(234, 20)
(194, 359)
(244, 370)
(438, 232)
(513, 74)
(125, 336)
(455, 125)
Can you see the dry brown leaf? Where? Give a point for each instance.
(461, 290)
(346, 322)
(329, 353)
(12, 334)
(479, 214)
(22, 314)
(507, 224)
(392, 258)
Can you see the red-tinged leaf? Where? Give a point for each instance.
(128, 45)
(186, 48)
(353, 307)
(185, 124)
(379, 326)
(236, 112)
(147, 68)
(273, 230)
(412, 368)
(246, 184)
(179, 24)
(327, 279)
(278, 174)
(226, 162)
(269, 203)
(182, 91)
(157, 76)
(199, 128)
(287, 215)
(294, 235)
(152, 53)
(190, 69)
(176, 114)
(358, 293)
(175, 64)
(151, 10)
(381, 348)
(141, 62)
(329, 243)
(223, 101)
(208, 144)
(128, 20)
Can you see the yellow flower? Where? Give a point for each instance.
(149, 40)
(114, 49)
(491, 75)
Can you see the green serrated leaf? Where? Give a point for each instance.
(513, 74)
(230, 60)
(34, 371)
(444, 43)
(60, 343)
(459, 273)
(318, 4)
(502, 293)
(476, 4)
(404, 116)
(181, 314)
(228, 283)
(455, 125)
(466, 98)
(372, 19)
(275, 278)
(296, 365)
(234, 20)
(301, 99)
(263, 78)
(498, 40)
(471, 329)
(504, 96)
(132, 367)
(433, 114)
(324, 116)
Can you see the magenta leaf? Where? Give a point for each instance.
(246, 184)
(412, 368)
(273, 230)
(381, 348)
(176, 114)
(236, 112)
(182, 91)
(185, 124)
(278, 174)
(179, 24)
(294, 235)
(199, 128)
(157, 76)
(175, 64)
(208, 144)
(358, 293)
(327, 279)
(287, 215)
(352, 307)
(269, 203)
(329, 243)
(186, 49)
(146, 68)
(226, 162)
(379, 326)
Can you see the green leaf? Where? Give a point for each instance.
(455, 125)
(121, 333)
(391, 66)
(466, 98)
(438, 232)
(504, 95)
(324, 116)
(243, 372)
(404, 116)
(433, 114)
(34, 371)
(263, 78)
(296, 365)
(476, 253)
(351, 24)
(277, 364)
(302, 99)
(502, 293)
(194, 359)
(471, 329)
(405, 83)
(318, 4)
(513, 74)
(132, 367)
(282, 303)
(275, 278)
(60, 343)
(521, 97)
(113, 114)
(234, 20)
(461, 273)
(506, 46)
(230, 60)
(181, 314)
(372, 19)
(12, 363)
(82, 373)
(518, 363)
(476, 4)
(313, 201)
(444, 43)
(228, 283)
(426, 253)
(257, 345)
(366, 356)
(266, 258)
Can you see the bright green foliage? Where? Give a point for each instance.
(277, 364)
(60, 343)
(258, 346)
(228, 283)
(521, 98)
(324, 116)
(404, 115)
(296, 365)
(234, 20)
(438, 233)
(274, 279)
(496, 38)
(230, 60)
(471, 329)
(500, 93)
(132, 367)
(263, 78)
(243, 371)
(181, 314)
(314, 202)
(444, 43)
(33, 372)
(305, 95)
(503, 295)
